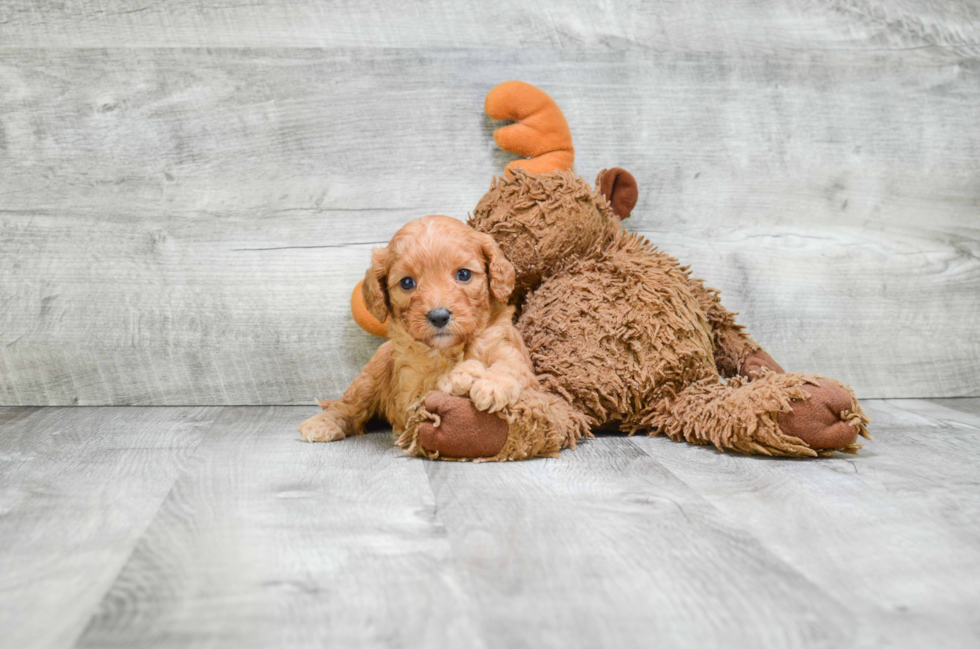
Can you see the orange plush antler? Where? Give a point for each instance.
(541, 132)
(363, 317)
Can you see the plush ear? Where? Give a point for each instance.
(619, 188)
(500, 271)
(374, 290)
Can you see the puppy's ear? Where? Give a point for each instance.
(500, 271)
(374, 290)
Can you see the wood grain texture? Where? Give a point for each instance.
(604, 547)
(182, 225)
(208, 321)
(968, 406)
(266, 541)
(352, 143)
(892, 532)
(77, 489)
(140, 527)
(754, 25)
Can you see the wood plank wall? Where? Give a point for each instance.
(189, 190)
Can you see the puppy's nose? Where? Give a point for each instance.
(439, 317)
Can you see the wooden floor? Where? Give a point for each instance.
(217, 527)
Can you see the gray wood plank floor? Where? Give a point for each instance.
(217, 527)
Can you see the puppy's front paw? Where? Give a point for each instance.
(460, 380)
(494, 393)
(321, 427)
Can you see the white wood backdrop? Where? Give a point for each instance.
(189, 190)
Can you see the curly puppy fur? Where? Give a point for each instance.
(626, 336)
(432, 264)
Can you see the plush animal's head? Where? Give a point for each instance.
(437, 281)
(541, 220)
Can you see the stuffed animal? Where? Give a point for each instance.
(617, 328)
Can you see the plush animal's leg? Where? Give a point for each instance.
(757, 360)
(816, 420)
(774, 414)
(541, 424)
(736, 354)
(450, 427)
(360, 402)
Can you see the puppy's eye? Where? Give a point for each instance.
(407, 283)
(464, 275)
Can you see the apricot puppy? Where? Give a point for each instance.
(444, 287)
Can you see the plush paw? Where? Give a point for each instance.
(819, 421)
(321, 427)
(494, 393)
(758, 360)
(463, 431)
(460, 380)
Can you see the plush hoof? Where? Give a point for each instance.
(463, 431)
(756, 361)
(817, 421)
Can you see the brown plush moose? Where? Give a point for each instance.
(615, 327)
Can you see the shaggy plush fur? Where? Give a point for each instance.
(619, 333)
(622, 333)
(476, 356)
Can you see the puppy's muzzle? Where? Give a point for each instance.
(439, 317)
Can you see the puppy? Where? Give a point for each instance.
(445, 288)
